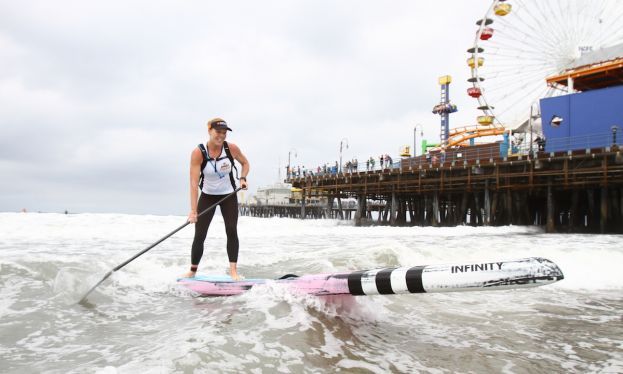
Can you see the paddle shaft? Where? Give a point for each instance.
(156, 243)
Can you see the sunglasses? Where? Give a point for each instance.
(219, 124)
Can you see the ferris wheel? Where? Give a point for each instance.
(519, 43)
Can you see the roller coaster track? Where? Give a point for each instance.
(458, 136)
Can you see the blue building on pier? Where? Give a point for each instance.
(593, 117)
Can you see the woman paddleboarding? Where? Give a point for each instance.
(212, 171)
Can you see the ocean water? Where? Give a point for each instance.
(140, 320)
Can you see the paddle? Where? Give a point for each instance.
(155, 244)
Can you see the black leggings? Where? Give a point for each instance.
(229, 210)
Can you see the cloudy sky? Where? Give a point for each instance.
(101, 102)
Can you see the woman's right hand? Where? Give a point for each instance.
(192, 217)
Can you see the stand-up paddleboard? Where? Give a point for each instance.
(478, 276)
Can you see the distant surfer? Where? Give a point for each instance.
(212, 172)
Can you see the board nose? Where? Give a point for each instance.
(551, 269)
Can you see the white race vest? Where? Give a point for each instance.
(216, 179)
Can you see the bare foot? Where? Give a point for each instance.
(190, 274)
(233, 272)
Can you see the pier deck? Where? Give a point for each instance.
(573, 191)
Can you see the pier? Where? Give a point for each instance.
(578, 190)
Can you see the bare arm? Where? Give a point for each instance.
(195, 171)
(237, 154)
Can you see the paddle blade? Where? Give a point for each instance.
(84, 298)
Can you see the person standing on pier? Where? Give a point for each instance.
(212, 172)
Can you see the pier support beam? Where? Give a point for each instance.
(340, 211)
(494, 210)
(463, 211)
(360, 215)
(509, 207)
(303, 207)
(436, 213)
(387, 210)
(550, 227)
(477, 210)
(603, 219)
(394, 208)
(487, 215)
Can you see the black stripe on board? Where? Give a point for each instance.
(384, 282)
(414, 279)
(354, 283)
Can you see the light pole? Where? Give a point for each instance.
(289, 166)
(534, 114)
(414, 137)
(341, 144)
(531, 156)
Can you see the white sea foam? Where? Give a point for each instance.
(140, 320)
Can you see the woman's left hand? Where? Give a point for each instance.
(243, 184)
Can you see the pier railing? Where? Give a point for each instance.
(491, 152)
